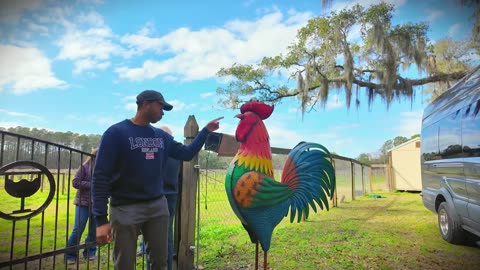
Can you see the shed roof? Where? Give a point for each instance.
(405, 143)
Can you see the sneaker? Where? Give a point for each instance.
(90, 257)
(71, 261)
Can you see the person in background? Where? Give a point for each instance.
(130, 168)
(170, 189)
(83, 201)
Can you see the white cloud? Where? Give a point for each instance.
(11, 10)
(131, 106)
(334, 102)
(247, 3)
(92, 47)
(410, 123)
(94, 42)
(149, 70)
(91, 18)
(337, 138)
(147, 29)
(130, 103)
(283, 137)
(294, 109)
(344, 126)
(227, 128)
(343, 142)
(432, 15)
(177, 105)
(89, 64)
(56, 15)
(37, 28)
(32, 70)
(200, 54)
(207, 94)
(452, 31)
(20, 114)
(170, 78)
(127, 98)
(177, 129)
(141, 41)
(288, 138)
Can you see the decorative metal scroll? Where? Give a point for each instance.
(24, 188)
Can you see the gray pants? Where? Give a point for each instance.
(151, 218)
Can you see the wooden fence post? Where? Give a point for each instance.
(190, 175)
(353, 179)
(370, 174)
(391, 181)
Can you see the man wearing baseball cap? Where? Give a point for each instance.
(129, 170)
(152, 95)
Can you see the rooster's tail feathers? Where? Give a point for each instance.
(309, 173)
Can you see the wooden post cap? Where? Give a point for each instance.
(191, 127)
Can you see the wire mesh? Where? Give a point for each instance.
(217, 219)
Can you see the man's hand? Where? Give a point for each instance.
(104, 234)
(213, 125)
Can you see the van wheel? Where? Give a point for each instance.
(450, 228)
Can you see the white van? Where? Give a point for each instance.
(450, 157)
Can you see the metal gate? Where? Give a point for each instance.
(36, 211)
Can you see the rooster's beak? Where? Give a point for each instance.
(239, 116)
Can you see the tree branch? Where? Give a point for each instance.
(414, 82)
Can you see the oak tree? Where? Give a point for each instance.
(324, 57)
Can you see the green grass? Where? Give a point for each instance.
(392, 233)
(379, 183)
(396, 232)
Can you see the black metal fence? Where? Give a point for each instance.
(36, 212)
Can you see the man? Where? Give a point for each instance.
(170, 190)
(129, 169)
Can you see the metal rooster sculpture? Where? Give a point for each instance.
(257, 199)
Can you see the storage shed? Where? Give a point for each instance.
(404, 166)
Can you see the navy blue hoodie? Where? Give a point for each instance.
(130, 164)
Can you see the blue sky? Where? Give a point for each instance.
(78, 65)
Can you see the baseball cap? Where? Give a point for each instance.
(152, 95)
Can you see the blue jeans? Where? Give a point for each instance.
(172, 206)
(82, 215)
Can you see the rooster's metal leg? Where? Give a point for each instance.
(265, 261)
(256, 256)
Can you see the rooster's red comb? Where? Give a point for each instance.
(263, 110)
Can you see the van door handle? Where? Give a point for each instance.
(448, 165)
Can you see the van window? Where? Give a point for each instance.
(450, 136)
(430, 142)
(471, 130)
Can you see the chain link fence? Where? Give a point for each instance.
(216, 220)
